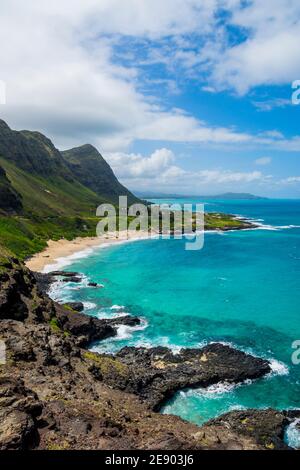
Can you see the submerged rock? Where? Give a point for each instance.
(74, 279)
(63, 273)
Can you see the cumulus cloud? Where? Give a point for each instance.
(135, 165)
(263, 161)
(273, 33)
(266, 53)
(159, 170)
(58, 62)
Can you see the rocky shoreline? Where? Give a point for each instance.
(56, 394)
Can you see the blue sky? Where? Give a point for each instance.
(186, 96)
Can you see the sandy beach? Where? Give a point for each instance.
(57, 250)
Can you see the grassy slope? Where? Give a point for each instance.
(53, 209)
(49, 197)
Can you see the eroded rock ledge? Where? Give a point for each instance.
(156, 374)
(54, 394)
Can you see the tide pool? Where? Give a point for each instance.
(242, 288)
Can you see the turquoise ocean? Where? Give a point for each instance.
(242, 288)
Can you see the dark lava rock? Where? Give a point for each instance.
(74, 279)
(55, 395)
(156, 374)
(77, 306)
(43, 281)
(20, 296)
(127, 320)
(87, 328)
(63, 273)
(19, 408)
(266, 427)
(93, 284)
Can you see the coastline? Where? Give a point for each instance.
(64, 251)
(57, 250)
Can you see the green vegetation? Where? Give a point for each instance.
(49, 195)
(54, 325)
(106, 364)
(214, 221)
(24, 236)
(45, 196)
(4, 255)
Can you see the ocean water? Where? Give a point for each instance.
(242, 288)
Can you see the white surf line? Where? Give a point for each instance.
(64, 261)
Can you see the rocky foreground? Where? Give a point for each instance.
(56, 394)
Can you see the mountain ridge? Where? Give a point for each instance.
(42, 198)
(228, 195)
(90, 168)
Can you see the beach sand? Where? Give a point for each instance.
(65, 248)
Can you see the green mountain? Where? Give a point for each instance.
(90, 168)
(48, 194)
(32, 152)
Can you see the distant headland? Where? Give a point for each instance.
(235, 196)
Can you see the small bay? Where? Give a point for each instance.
(242, 288)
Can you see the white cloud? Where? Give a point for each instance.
(268, 105)
(273, 134)
(161, 172)
(291, 180)
(221, 176)
(135, 165)
(269, 55)
(263, 161)
(265, 54)
(62, 80)
(57, 59)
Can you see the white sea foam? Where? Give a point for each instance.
(61, 291)
(62, 262)
(108, 313)
(278, 368)
(126, 332)
(292, 434)
(117, 307)
(213, 391)
(56, 290)
(67, 260)
(263, 226)
(286, 227)
(163, 341)
(89, 305)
